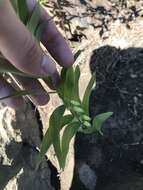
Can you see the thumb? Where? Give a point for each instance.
(19, 46)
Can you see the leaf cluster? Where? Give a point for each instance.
(77, 121)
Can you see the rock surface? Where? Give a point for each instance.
(19, 136)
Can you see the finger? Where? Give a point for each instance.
(52, 39)
(54, 42)
(19, 46)
(41, 98)
(6, 90)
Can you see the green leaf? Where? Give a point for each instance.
(78, 109)
(56, 115)
(21, 93)
(69, 84)
(55, 122)
(56, 136)
(49, 137)
(38, 32)
(77, 54)
(85, 102)
(87, 124)
(85, 118)
(6, 67)
(66, 120)
(60, 89)
(75, 103)
(68, 134)
(22, 10)
(14, 4)
(76, 85)
(63, 74)
(99, 120)
(46, 143)
(34, 21)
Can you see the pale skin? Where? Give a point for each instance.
(21, 49)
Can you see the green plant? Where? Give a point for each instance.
(78, 119)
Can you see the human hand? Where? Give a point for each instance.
(21, 49)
